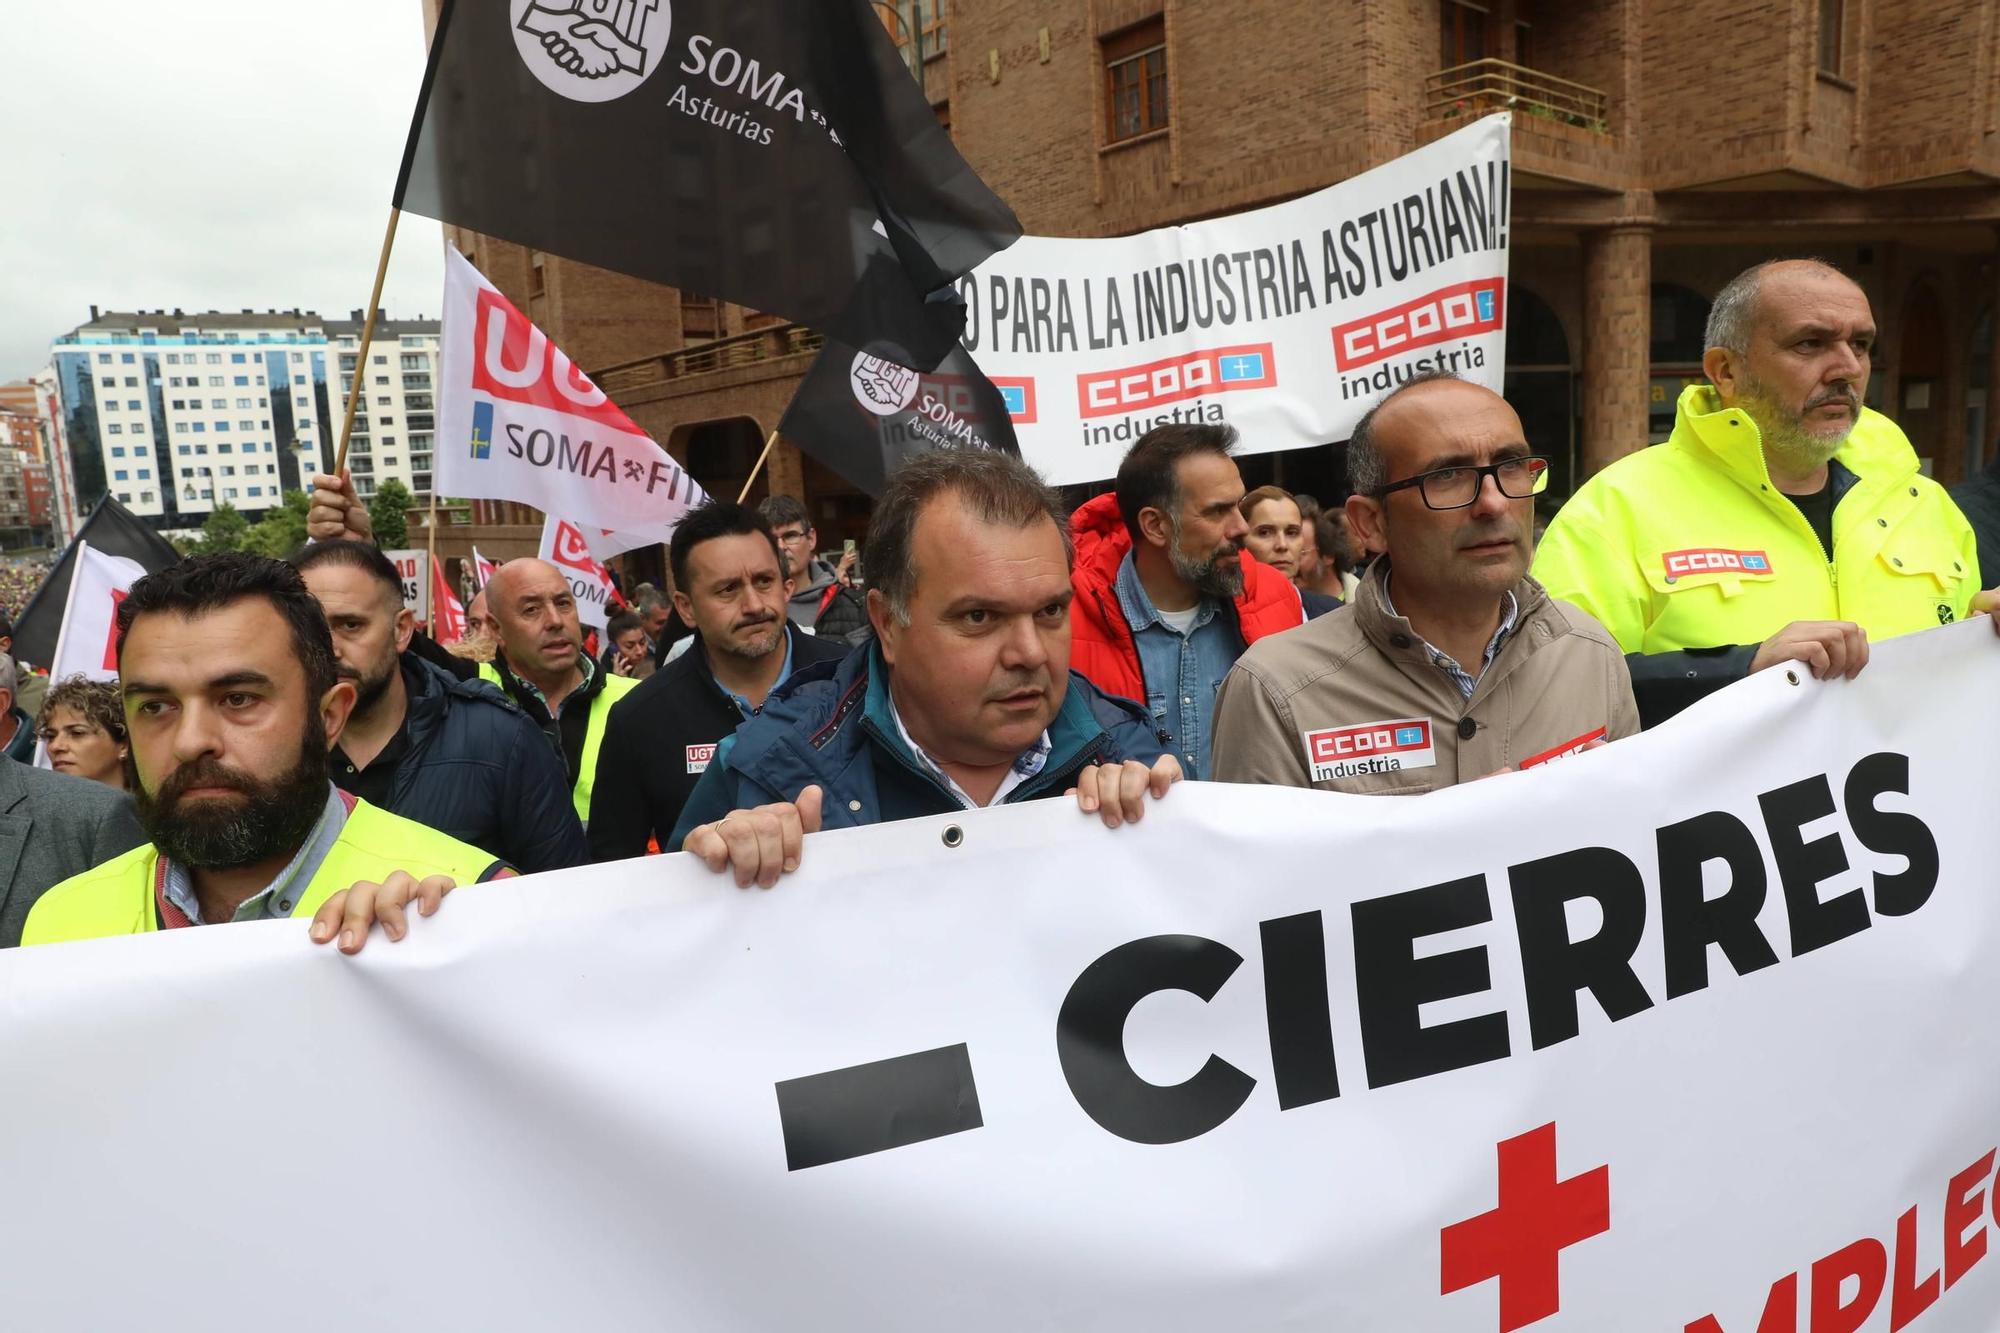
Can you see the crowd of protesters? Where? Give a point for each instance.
(284, 741)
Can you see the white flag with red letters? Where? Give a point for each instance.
(517, 420)
(564, 546)
(88, 642)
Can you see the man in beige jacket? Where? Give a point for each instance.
(1451, 663)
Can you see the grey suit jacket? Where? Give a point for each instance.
(53, 826)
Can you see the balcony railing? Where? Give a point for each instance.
(743, 349)
(1481, 87)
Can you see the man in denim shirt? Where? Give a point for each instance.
(1167, 598)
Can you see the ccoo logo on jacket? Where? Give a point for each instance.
(591, 50)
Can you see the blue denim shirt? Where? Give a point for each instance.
(1182, 672)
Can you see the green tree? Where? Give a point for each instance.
(224, 531)
(386, 512)
(282, 530)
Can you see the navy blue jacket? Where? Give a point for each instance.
(831, 725)
(479, 769)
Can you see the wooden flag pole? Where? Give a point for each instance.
(367, 337)
(759, 467)
(437, 580)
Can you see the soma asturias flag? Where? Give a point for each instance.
(775, 154)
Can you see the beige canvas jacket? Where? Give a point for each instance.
(1352, 702)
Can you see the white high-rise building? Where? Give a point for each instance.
(174, 413)
(396, 420)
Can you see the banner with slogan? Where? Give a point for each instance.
(414, 568)
(518, 421)
(1692, 1033)
(1288, 322)
(564, 546)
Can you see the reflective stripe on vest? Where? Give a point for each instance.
(116, 898)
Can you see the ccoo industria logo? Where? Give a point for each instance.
(591, 50)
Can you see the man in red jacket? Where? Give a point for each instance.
(1166, 596)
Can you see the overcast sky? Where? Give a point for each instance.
(211, 155)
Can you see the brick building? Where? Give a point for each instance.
(1659, 147)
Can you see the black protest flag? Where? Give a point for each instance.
(774, 153)
(862, 415)
(112, 529)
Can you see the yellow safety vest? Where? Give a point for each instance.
(1689, 545)
(117, 898)
(615, 688)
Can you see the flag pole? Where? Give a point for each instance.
(437, 579)
(758, 467)
(367, 337)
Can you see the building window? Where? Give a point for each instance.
(126, 357)
(104, 358)
(214, 358)
(236, 358)
(1135, 67)
(1463, 38)
(1829, 36)
(114, 429)
(132, 404)
(120, 475)
(242, 402)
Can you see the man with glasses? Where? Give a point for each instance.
(820, 602)
(1450, 663)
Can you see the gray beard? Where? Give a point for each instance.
(1797, 450)
(1219, 576)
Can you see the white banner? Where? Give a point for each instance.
(414, 568)
(518, 421)
(1690, 1033)
(1287, 322)
(564, 546)
(87, 643)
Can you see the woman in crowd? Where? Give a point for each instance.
(1276, 537)
(83, 729)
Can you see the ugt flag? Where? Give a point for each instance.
(87, 645)
(776, 154)
(563, 546)
(518, 421)
(862, 415)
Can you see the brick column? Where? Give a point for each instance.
(1617, 337)
(787, 469)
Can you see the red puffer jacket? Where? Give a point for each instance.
(1101, 644)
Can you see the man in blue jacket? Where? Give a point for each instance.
(963, 700)
(452, 754)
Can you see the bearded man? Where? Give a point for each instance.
(1167, 598)
(232, 700)
(1781, 522)
(450, 753)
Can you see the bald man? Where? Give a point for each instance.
(531, 613)
(1781, 522)
(1450, 663)
(542, 667)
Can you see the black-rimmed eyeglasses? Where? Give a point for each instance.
(1457, 487)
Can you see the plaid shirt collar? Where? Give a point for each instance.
(1510, 612)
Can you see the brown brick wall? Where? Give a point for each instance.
(1715, 110)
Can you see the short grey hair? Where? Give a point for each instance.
(995, 487)
(1367, 470)
(1735, 309)
(647, 599)
(10, 678)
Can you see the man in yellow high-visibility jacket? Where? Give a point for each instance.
(231, 700)
(1782, 521)
(543, 668)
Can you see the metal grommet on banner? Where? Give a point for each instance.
(1792, 676)
(953, 835)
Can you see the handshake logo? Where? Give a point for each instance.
(883, 387)
(591, 50)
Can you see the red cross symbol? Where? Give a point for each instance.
(1521, 1241)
